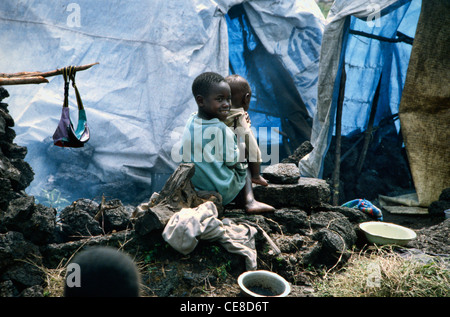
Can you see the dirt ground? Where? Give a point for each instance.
(210, 271)
(412, 221)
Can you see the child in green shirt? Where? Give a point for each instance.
(212, 147)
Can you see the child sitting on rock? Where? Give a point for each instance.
(212, 147)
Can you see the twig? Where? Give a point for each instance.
(264, 233)
(35, 77)
(278, 225)
(22, 80)
(103, 208)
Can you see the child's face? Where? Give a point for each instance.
(216, 104)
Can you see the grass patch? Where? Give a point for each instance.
(381, 272)
(55, 279)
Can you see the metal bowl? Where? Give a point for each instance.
(383, 233)
(263, 283)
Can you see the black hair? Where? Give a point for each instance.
(104, 272)
(202, 84)
(238, 84)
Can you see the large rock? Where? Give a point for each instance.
(7, 194)
(445, 194)
(437, 208)
(19, 264)
(305, 148)
(8, 170)
(35, 222)
(87, 218)
(334, 235)
(306, 194)
(292, 221)
(433, 239)
(78, 220)
(116, 216)
(282, 173)
(355, 216)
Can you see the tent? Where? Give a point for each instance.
(138, 98)
(374, 55)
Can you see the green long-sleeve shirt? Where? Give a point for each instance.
(212, 147)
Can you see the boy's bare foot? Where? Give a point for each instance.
(259, 180)
(256, 207)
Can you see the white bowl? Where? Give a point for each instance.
(387, 233)
(263, 283)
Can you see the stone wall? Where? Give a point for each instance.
(18, 276)
(15, 173)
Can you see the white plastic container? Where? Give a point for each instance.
(387, 233)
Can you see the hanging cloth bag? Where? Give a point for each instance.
(65, 134)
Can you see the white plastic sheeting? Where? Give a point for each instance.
(138, 98)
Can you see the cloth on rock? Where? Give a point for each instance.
(365, 206)
(186, 227)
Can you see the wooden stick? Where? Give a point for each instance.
(22, 80)
(368, 132)
(60, 70)
(337, 158)
(35, 77)
(102, 208)
(21, 74)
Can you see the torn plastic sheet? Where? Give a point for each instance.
(365, 59)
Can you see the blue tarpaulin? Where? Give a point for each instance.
(373, 41)
(283, 98)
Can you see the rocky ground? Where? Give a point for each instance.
(317, 237)
(303, 235)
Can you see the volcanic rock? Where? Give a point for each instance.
(282, 173)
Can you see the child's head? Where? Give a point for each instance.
(103, 272)
(241, 92)
(213, 96)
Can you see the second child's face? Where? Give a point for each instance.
(217, 104)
